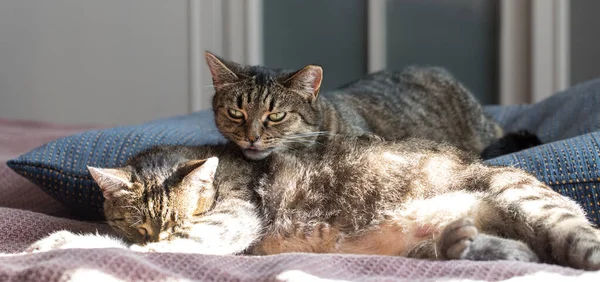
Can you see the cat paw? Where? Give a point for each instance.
(185, 246)
(56, 240)
(457, 237)
(461, 240)
(487, 247)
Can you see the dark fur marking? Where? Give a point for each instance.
(531, 198)
(591, 251)
(559, 220)
(570, 242)
(271, 103)
(239, 101)
(583, 230)
(565, 216)
(549, 206)
(213, 222)
(248, 97)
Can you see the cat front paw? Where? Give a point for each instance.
(69, 240)
(56, 240)
(185, 246)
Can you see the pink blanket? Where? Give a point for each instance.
(27, 214)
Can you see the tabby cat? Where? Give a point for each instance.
(360, 195)
(265, 110)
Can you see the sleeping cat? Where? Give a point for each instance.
(265, 110)
(361, 195)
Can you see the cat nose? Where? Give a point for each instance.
(253, 139)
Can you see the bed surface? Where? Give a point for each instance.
(28, 214)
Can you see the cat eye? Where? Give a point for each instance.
(235, 114)
(276, 116)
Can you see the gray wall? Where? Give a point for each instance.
(585, 40)
(123, 62)
(108, 61)
(461, 36)
(329, 33)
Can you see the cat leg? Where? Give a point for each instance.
(68, 240)
(229, 228)
(181, 245)
(309, 238)
(462, 240)
(555, 227)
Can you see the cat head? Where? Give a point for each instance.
(149, 204)
(264, 110)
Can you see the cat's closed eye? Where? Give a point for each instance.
(275, 117)
(235, 114)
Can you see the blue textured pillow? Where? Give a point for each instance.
(567, 114)
(59, 167)
(569, 165)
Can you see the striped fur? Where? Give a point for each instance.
(169, 201)
(360, 195)
(419, 199)
(423, 103)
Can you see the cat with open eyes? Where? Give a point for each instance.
(265, 110)
(359, 195)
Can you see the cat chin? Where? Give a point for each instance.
(257, 155)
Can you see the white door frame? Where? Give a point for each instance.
(376, 34)
(534, 49)
(229, 28)
(549, 47)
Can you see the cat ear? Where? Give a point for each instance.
(307, 80)
(199, 180)
(114, 182)
(200, 172)
(221, 73)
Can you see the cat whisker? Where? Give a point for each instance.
(123, 230)
(288, 147)
(308, 134)
(136, 223)
(223, 85)
(299, 139)
(133, 207)
(294, 139)
(296, 142)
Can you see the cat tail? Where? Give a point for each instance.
(509, 143)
